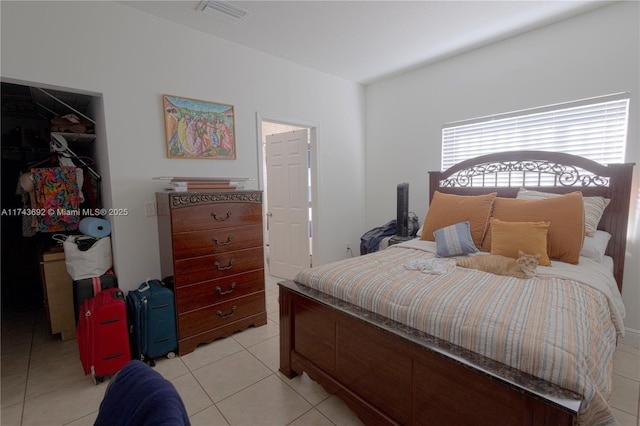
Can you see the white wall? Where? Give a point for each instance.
(593, 54)
(131, 59)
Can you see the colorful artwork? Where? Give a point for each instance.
(199, 129)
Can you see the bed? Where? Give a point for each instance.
(440, 344)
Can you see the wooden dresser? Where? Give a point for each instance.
(212, 244)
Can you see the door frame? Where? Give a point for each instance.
(313, 148)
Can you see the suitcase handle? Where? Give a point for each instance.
(144, 286)
(97, 285)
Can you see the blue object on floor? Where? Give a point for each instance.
(139, 395)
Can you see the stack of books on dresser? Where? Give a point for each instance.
(197, 184)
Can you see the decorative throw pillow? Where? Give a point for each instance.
(530, 237)
(593, 207)
(565, 214)
(449, 209)
(454, 240)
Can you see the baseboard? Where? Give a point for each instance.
(631, 337)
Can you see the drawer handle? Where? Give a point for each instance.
(229, 315)
(224, 268)
(215, 216)
(218, 243)
(220, 292)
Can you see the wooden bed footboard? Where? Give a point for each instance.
(391, 374)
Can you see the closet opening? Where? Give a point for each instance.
(44, 129)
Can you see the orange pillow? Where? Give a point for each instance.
(449, 209)
(565, 214)
(530, 237)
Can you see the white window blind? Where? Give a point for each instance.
(594, 128)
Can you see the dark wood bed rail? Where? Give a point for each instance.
(570, 173)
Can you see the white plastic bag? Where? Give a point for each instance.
(93, 262)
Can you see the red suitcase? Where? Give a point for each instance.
(103, 334)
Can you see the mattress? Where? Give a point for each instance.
(561, 325)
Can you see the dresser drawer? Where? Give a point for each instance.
(204, 268)
(195, 296)
(215, 215)
(211, 241)
(210, 317)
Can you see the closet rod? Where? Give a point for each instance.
(67, 105)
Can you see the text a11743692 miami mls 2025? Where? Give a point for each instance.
(65, 212)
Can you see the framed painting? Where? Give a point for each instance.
(199, 129)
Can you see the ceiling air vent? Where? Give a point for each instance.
(224, 10)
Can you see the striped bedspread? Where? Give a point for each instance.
(552, 327)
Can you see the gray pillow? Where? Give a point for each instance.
(454, 240)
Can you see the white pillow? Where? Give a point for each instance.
(594, 247)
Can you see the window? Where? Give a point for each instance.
(594, 128)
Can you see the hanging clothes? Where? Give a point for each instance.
(67, 162)
(57, 196)
(91, 191)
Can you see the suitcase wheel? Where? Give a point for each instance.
(96, 379)
(171, 355)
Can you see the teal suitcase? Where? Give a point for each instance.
(152, 322)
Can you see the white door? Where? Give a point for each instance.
(288, 202)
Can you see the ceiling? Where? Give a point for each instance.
(365, 41)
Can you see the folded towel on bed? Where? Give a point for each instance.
(138, 395)
(429, 266)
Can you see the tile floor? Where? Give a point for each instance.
(233, 381)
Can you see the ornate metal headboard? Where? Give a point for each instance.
(517, 173)
(506, 172)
